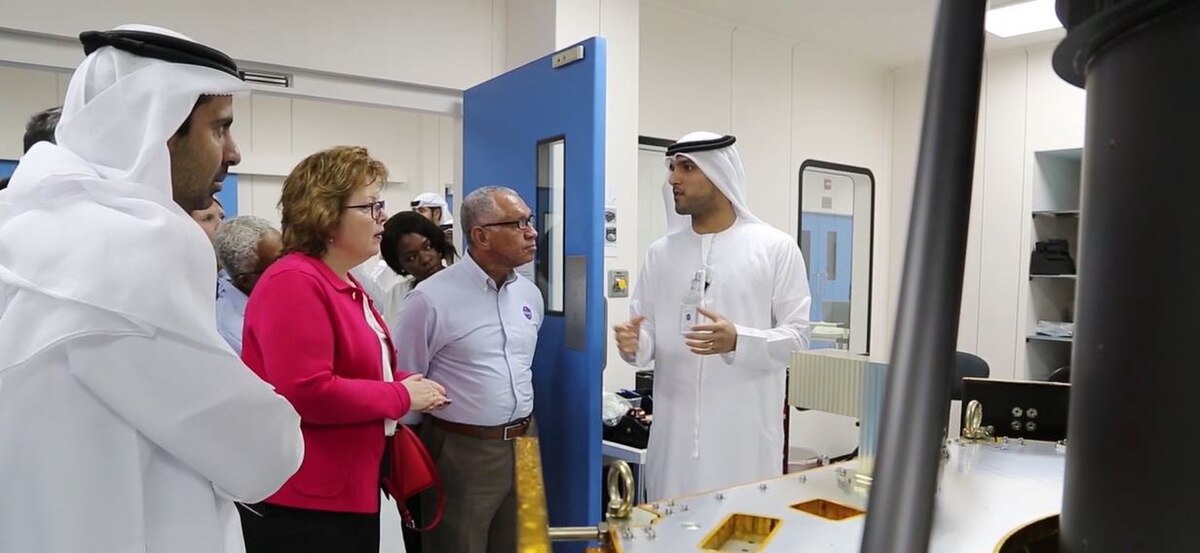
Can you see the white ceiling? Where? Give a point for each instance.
(892, 33)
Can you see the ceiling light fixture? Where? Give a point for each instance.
(1022, 18)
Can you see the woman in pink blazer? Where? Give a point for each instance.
(313, 333)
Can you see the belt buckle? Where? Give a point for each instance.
(507, 438)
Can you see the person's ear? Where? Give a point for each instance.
(242, 280)
(480, 237)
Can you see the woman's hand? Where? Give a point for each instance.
(424, 394)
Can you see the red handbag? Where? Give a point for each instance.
(412, 471)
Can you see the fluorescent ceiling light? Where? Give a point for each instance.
(1023, 18)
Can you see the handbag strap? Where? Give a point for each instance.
(439, 488)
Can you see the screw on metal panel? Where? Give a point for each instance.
(802, 479)
(1031, 426)
(762, 487)
(1022, 440)
(719, 496)
(684, 508)
(1031, 412)
(1017, 412)
(1016, 425)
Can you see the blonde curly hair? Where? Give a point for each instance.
(315, 194)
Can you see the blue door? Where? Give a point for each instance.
(228, 196)
(826, 241)
(539, 129)
(837, 241)
(6, 168)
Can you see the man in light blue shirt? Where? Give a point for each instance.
(246, 246)
(473, 326)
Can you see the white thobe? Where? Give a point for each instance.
(136, 442)
(119, 434)
(127, 425)
(718, 420)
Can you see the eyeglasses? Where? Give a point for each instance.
(520, 224)
(376, 208)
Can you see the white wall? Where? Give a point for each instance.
(26, 91)
(447, 44)
(821, 189)
(908, 109)
(618, 22)
(786, 101)
(1025, 107)
(274, 133)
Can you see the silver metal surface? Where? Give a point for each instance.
(574, 533)
(843, 383)
(575, 284)
(567, 57)
(985, 491)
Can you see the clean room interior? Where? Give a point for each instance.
(819, 81)
(825, 97)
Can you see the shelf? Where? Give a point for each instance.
(1056, 213)
(1066, 154)
(1054, 277)
(1040, 338)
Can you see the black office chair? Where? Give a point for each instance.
(1061, 374)
(966, 365)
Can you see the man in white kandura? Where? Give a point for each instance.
(126, 422)
(720, 305)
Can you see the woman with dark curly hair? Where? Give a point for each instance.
(313, 333)
(415, 248)
(414, 245)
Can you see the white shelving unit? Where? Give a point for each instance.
(1051, 297)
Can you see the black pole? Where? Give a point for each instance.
(916, 403)
(1130, 466)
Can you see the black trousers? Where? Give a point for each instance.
(291, 530)
(412, 538)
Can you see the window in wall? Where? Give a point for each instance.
(548, 216)
(836, 213)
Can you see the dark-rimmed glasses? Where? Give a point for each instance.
(520, 224)
(375, 207)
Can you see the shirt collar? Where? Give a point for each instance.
(231, 293)
(335, 281)
(479, 276)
